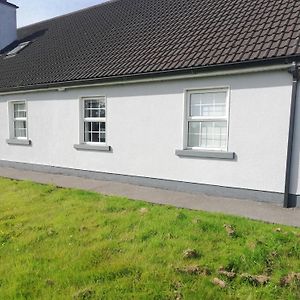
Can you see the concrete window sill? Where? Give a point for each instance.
(87, 147)
(18, 142)
(205, 154)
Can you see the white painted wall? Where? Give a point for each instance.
(145, 126)
(8, 25)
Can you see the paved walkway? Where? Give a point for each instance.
(247, 208)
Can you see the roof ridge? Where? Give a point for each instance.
(106, 2)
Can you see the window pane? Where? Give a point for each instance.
(19, 110)
(95, 113)
(95, 126)
(20, 124)
(86, 113)
(208, 104)
(20, 133)
(95, 137)
(20, 129)
(87, 137)
(91, 104)
(194, 134)
(87, 126)
(210, 135)
(102, 126)
(19, 106)
(92, 113)
(94, 132)
(94, 109)
(102, 137)
(17, 49)
(87, 132)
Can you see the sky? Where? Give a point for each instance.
(32, 11)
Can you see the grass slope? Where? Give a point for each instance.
(64, 244)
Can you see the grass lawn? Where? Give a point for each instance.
(71, 244)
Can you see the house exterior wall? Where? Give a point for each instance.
(8, 25)
(145, 127)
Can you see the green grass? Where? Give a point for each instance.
(71, 244)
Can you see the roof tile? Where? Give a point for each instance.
(130, 37)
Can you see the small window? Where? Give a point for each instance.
(94, 121)
(207, 120)
(17, 49)
(19, 120)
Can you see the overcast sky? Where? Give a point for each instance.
(32, 11)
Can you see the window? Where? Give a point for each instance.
(93, 125)
(17, 49)
(19, 120)
(94, 119)
(207, 119)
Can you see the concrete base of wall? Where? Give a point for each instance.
(213, 190)
(294, 200)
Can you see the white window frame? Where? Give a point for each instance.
(100, 119)
(12, 119)
(188, 118)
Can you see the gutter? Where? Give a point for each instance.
(294, 70)
(192, 74)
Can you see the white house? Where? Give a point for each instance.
(188, 95)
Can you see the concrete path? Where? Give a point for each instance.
(247, 208)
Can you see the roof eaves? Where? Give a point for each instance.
(160, 74)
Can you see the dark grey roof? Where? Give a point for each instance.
(134, 37)
(7, 3)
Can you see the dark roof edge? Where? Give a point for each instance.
(8, 4)
(160, 74)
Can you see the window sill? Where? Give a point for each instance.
(92, 147)
(18, 142)
(205, 154)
